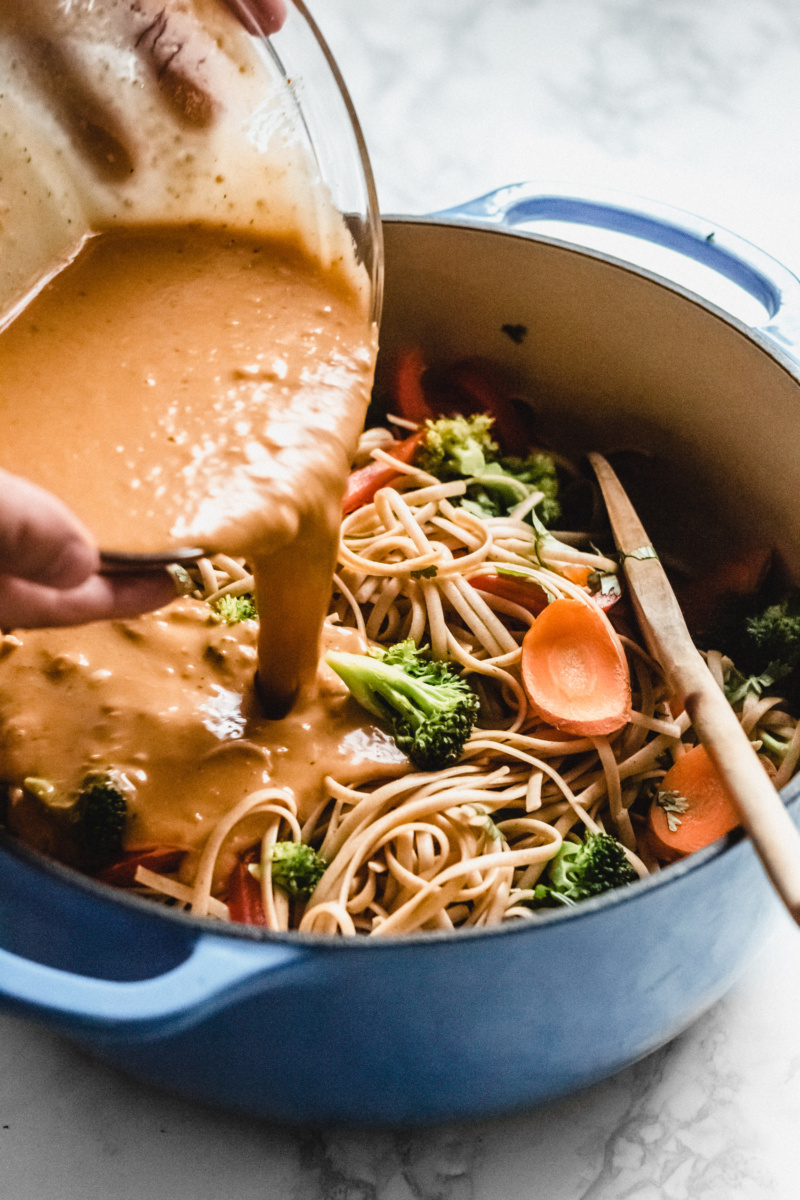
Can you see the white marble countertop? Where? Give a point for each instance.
(692, 102)
(713, 1116)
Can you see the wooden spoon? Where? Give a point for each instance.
(760, 808)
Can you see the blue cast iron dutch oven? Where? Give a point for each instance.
(433, 1027)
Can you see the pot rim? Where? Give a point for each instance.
(760, 339)
(735, 842)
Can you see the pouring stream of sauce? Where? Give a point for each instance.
(191, 386)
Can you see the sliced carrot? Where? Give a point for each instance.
(547, 733)
(709, 812)
(408, 393)
(576, 573)
(574, 669)
(245, 904)
(518, 591)
(366, 481)
(162, 859)
(701, 599)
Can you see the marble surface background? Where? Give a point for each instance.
(693, 102)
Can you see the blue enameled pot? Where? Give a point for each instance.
(435, 1026)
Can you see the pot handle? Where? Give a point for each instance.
(757, 273)
(216, 973)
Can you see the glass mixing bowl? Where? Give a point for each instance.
(121, 113)
(334, 138)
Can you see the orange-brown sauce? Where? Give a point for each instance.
(167, 701)
(188, 386)
(191, 386)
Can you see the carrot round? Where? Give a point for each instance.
(574, 670)
(695, 810)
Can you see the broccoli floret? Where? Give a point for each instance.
(430, 709)
(775, 636)
(462, 448)
(99, 816)
(498, 488)
(764, 645)
(538, 471)
(233, 609)
(598, 864)
(455, 447)
(415, 662)
(296, 868)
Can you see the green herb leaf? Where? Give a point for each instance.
(674, 805)
(514, 572)
(642, 554)
(605, 583)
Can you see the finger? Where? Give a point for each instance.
(260, 16)
(40, 539)
(26, 605)
(94, 128)
(178, 52)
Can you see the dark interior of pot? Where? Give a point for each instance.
(699, 419)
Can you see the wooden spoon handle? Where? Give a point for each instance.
(760, 808)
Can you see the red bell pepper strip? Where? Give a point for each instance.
(245, 904)
(479, 392)
(701, 599)
(527, 595)
(606, 600)
(406, 386)
(366, 481)
(162, 859)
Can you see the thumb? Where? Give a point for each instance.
(40, 539)
(260, 16)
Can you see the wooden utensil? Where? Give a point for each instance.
(760, 808)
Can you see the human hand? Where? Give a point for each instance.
(49, 567)
(269, 14)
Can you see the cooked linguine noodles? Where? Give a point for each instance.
(464, 846)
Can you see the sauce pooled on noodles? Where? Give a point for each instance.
(183, 386)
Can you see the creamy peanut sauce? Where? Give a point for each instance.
(188, 387)
(167, 700)
(183, 385)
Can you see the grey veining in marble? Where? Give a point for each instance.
(693, 102)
